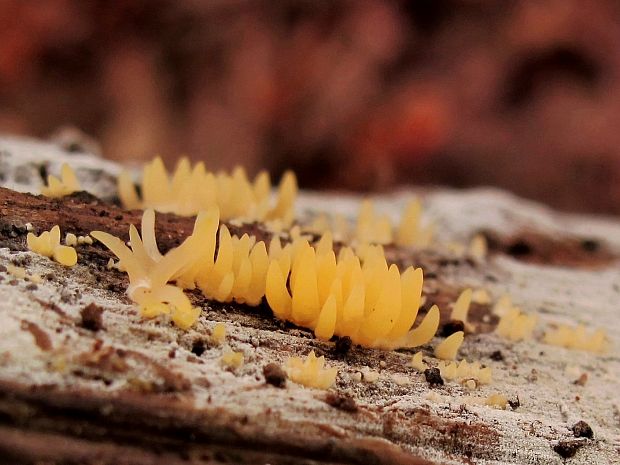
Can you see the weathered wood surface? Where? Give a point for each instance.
(126, 390)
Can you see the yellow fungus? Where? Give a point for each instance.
(71, 240)
(311, 371)
(231, 358)
(448, 348)
(372, 303)
(497, 401)
(66, 256)
(464, 371)
(478, 247)
(410, 232)
(370, 376)
(515, 325)
(67, 184)
(48, 245)
(218, 334)
(189, 190)
(461, 306)
(17, 271)
(417, 362)
(503, 304)
(578, 338)
(481, 296)
(149, 272)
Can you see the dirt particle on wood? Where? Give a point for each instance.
(582, 430)
(433, 376)
(341, 401)
(343, 346)
(274, 375)
(451, 327)
(91, 317)
(568, 448)
(41, 338)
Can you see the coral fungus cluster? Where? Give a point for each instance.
(373, 228)
(311, 371)
(370, 302)
(578, 338)
(190, 190)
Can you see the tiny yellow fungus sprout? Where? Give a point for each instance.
(71, 240)
(410, 232)
(17, 271)
(373, 228)
(311, 371)
(578, 338)
(231, 358)
(417, 362)
(503, 305)
(67, 184)
(462, 371)
(516, 325)
(478, 248)
(448, 348)
(218, 334)
(372, 303)
(481, 296)
(48, 245)
(189, 190)
(461, 309)
(496, 401)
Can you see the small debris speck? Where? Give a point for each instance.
(497, 356)
(567, 449)
(274, 375)
(452, 327)
(343, 345)
(433, 376)
(582, 430)
(514, 404)
(198, 347)
(342, 402)
(582, 380)
(91, 317)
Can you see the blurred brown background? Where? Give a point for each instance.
(351, 94)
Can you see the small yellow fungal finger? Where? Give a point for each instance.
(417, 362)
(447, 349)
(425, 331)
(326, 323)
(276, 293)
(218, 334)
(461, 307)
(411, 288)
(65, 255)
(184, 319)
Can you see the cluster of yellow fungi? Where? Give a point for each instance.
(353, 293)
(311, 371)
(367, 300)
(48, 245)
(190, 190)
(373, 228)
(465, 371)
(578, 338)
(67, 184)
